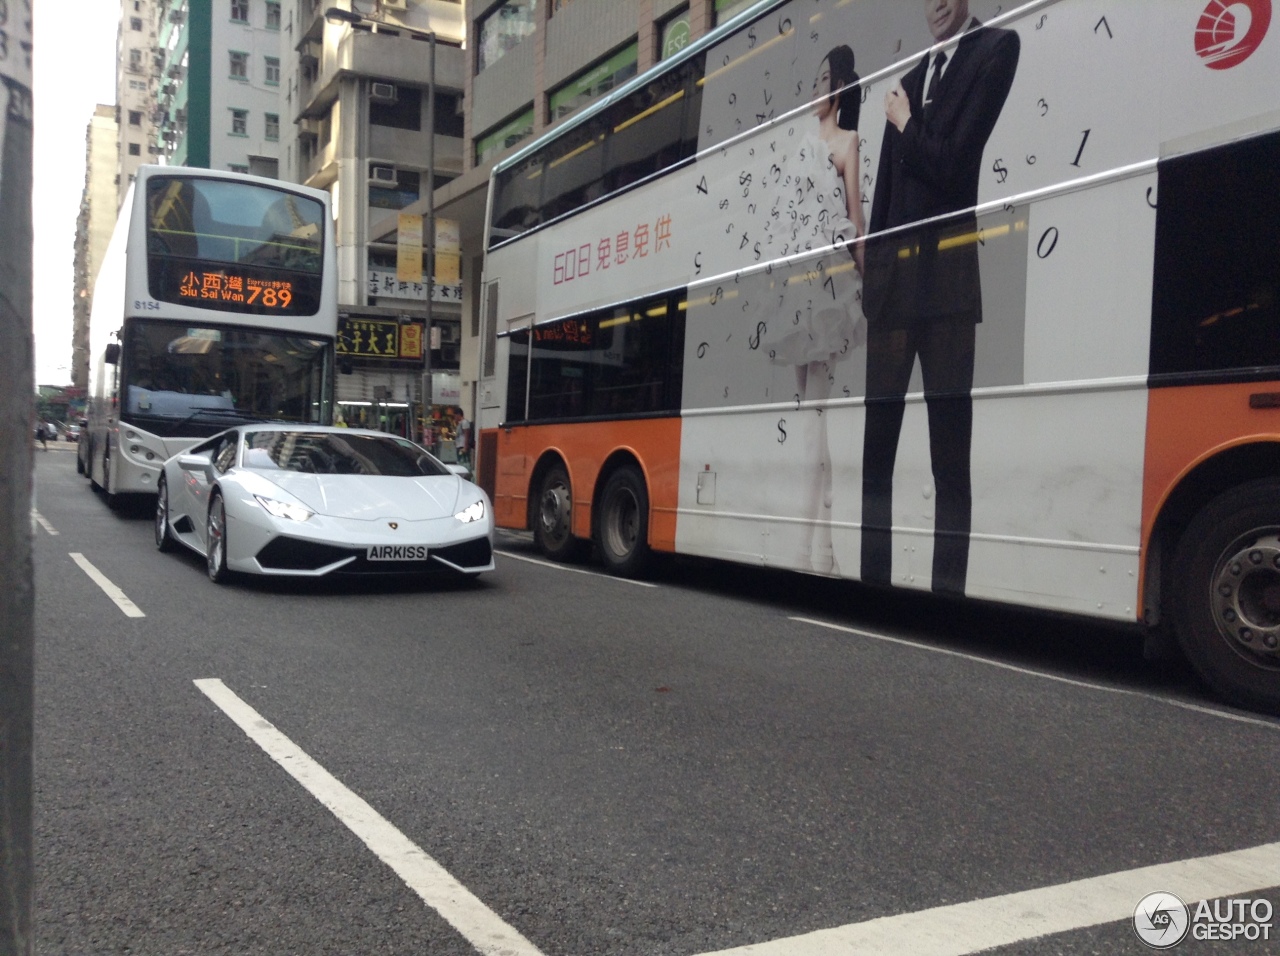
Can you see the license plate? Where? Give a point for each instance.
(397, 552)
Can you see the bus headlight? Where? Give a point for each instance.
(282, 509)
(473, 512)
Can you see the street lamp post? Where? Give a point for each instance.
(338, 15)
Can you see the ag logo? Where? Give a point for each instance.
(1228, 33)
(1161, 920)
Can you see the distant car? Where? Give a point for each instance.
(313, 500)
(71, 433)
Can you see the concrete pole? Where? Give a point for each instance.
(17, 396)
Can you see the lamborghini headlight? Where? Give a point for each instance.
(473, 512)
(282, 509)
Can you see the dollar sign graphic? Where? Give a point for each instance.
(999, 169)
(782, 431)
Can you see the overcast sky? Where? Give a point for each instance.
(74, 67)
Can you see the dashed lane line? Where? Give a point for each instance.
(1171, 701)
(478, 924)
(101, 580)
(979, 925)
(565, 567)
(44, 523)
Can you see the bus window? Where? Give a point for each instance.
(1215, 310)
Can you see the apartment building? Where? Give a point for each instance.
(135, 91)
(370, 123)
(216, 66)
(531, 64)
(94, 224)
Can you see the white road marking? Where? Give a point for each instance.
(565, 567)
(1171, 701)
(979, 925)
(481, 927)
(101, 580)
(43, 522)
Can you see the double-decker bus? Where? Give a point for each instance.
(972, 297)
(216, 304)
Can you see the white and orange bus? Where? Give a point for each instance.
(1002, 323)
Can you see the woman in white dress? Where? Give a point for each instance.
(820, 320)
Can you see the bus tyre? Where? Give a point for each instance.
(553, 520)
(1225, 595)
(216, 541)
(623, 526)
(164, 535)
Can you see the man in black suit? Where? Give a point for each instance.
(922, 291)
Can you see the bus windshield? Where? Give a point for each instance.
(233, 246)
(186, 381)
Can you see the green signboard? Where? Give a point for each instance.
(675, 35)
(597, 81)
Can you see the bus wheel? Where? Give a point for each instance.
(1225, 595)
(623, 528)
(553, 523)
(215, 540)
(164, 535)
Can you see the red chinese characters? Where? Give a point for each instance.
(609, 251)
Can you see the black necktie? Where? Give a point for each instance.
(939, 62)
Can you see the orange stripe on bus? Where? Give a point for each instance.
(584, 447)
(1189, 425)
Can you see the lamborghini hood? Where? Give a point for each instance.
(374, 497)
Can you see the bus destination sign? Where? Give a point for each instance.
(231, 288)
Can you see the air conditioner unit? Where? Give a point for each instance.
(382, 175)
(180, 115)
(177, 16)
(382, 92)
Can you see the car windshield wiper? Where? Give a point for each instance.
(225, 414)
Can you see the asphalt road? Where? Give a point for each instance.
(727, 758)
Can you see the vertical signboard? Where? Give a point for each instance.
(409, 248)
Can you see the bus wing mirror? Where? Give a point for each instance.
(113, 354)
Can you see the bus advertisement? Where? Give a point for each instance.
(216, 305)
(971, 297)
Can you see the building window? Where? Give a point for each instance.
(503, 137)
(240, 11)
(401, 109)
(273, 15)
(273, 70)
(237, 167)
(449, 119)
(135, 60)
(728, 9)
(674, 35)
(239, 65)
(135, 117)
(135, 149)
(502, 29)
(135, 23)
(272, 128)
(239, 122)
(594, 82)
